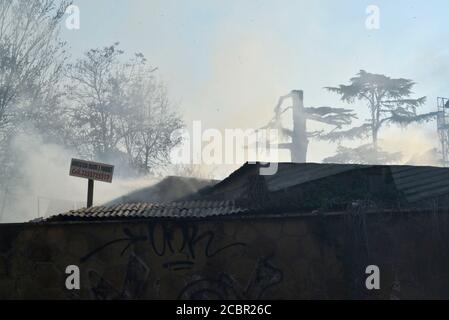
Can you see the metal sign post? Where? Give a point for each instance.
(91, 171)
(90, 193)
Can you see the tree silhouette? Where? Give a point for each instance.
(298, 138)
(388, 101)
(32, 56)
(119, 111)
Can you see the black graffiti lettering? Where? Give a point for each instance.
(137, 273)
(178, 265)
(101, 289)
(221, 288)
(190, 239)
(265, 276)
(131, 239)
(209, 235)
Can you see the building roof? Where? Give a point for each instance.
(295, 187)
(421, 182)
(185, 209)
(415, 182)
(292, 174)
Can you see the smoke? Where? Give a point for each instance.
(416, 144)
(44, 186)
(227, 65)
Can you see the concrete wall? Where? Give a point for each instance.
(276, 258)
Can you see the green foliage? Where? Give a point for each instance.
(337, 117)
(389, 102)
(377, 88)
(364, 154)
(360, 132)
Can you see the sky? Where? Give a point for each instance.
(227, 62)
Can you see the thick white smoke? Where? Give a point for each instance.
(45, 186)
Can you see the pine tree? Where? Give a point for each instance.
(389, 102)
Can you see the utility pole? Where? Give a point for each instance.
(443, 128)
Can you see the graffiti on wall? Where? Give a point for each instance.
(136, 276)
(170, 239)
(251, 259)
(177, 247)
(264, 276)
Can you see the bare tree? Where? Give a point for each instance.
(31, 58)
(120, 111)
(92, 90)
(148, 135)
(388, 101)
(299, 136)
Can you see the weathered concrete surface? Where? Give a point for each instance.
(252, 258)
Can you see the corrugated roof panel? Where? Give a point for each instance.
(289, 175)
(418, 183)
